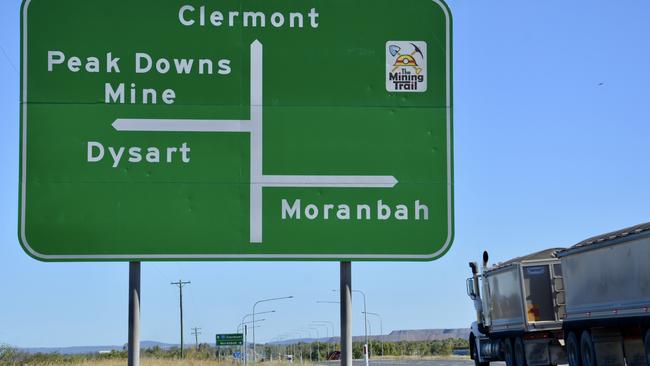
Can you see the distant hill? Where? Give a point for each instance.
(80, 350)
(426, 334)
(397, 336)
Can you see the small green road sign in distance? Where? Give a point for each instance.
(235, 130)
(233, 339)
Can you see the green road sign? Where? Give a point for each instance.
(233, 339)
(236, 130)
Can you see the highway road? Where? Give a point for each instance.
(414, 363)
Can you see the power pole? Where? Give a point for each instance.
(180, 285)
(195, 333)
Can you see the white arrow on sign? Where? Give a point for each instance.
(254, 127)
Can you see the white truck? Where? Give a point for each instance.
(588, 304)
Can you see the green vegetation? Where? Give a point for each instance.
(207, 354)
(12, 356)
(319, 351)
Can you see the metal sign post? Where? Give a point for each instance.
(245, 344)
(346, 313)
(134, 314)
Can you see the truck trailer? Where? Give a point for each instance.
(588, 304)
(607, 286)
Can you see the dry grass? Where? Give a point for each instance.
(190, 362)
(152, 362)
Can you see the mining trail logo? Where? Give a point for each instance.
(406, 66)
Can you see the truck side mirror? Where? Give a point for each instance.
(470, 288)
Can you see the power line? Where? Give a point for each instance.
(8, 59)
(180, 285)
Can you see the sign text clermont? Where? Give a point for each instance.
(238, 130)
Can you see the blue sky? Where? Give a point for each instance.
(551, 142)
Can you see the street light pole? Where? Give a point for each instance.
(295, 335)
(311, 344)
(246, 343)
(324, 323)
(317, 344)
(370, 332)
(296, 342)
(327, 332)
(239, 327)
(329, 322)
(381, 330)
(243, 321)
(308, 335)
(254, 305)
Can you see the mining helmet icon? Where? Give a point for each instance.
(405, 59)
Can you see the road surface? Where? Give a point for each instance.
(413, 363)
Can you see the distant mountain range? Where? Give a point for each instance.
(81, 350)
(394, 336)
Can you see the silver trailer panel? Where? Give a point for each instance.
(505, 299)
(521, 296)
(608, 279)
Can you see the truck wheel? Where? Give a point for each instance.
(475, 352)
(587, 349)
(475, 356)
(573, 350)
(647, 347)
(520, 352)
(508, 352)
